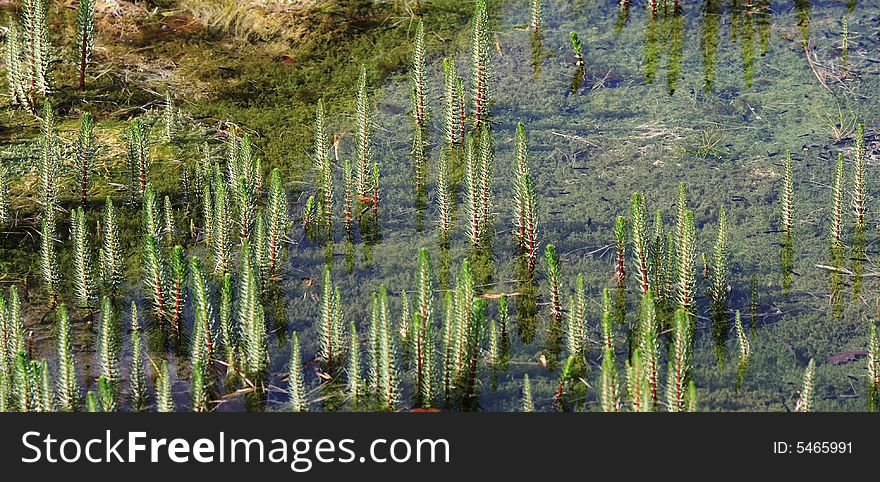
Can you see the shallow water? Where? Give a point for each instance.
(712, 97)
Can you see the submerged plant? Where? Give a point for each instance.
(873, 362)
(719, 290)
(620, 270)
(745, 351)
(85, 36)
(787, 195)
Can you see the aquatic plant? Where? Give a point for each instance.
(873, 365)
(384, 353)
(417, 77)
(686, 253)
(106, 395)
(552, 263)
(156, 278)
(678, 373)
(745, 351)
(649, 346)
(837, 206)
(718, 289)
(227, 332)
(139, 160)
(5, 209)
(296, 389)
(526, 222)
(164, 400)
(423, 335)
(48, 260)
(805, 403)
(251, 319)
(92, 402)
(753, 306)
(577, 48)
(844, 45)
(637, 390)
(364, 137)
(448, 343)
(576, 322)
(49, 167)
(137, 378)
(82, 257)
(168, 217)
(479, 63)
(639, 238)
(444, 201)
(108, 351)
(451, 107)
(85, 154)
(527, 404)
(330, 326)
(198, 386)
(347, 214)
(244, 208)
(858, 177)
(111, 252)
(221, 231)
(620, 270)
(15, 75)
(354, 385)
(308, 215)
(537, 19)
(787, 195)
(277, 208)
(37, 46)
(85, 36)
(66, 388)
(203, 314)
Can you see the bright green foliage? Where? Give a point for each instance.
(15, 74)
(203, 316)
(487, 169)
(609, 390)
(686, 255)
(296, 388)
(36, 45)
(227, 333)
(277, 209)
(805, 404)
(353, 374)
(451, 108)
(329, 324)
(168, 216)
(108, 351)
(620, 250)
(649, 346)
(85, 36)
(92, 403)
(48, 259)
(364, 137)
(164, 400)
(242, 164)
(551, 260)
(156, 278)
(423, 332)
(150, 214)
(639, 239)
(525, 216)
(527, 404)
(679, 362)
(111, 252)
(348, 201)
(873, 362)
(244, 209)
(481, 51)
(386, 353)
(137, 378)
(221, 234)
(251, 320)
(576, 321)
(138, 158)
(788, 195)
(169, 117)
(5, 209)
(448, 343)
(473, 193)
(837, 206)
(858, 177)
(82, 257)
(745, 351)
(86, 149)
(444, 196)
(417, 77)
(106, 394)
(66, 388)
(49, 166)
(198, 386)
(719, 282)
(176, 285)
(576, 45)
